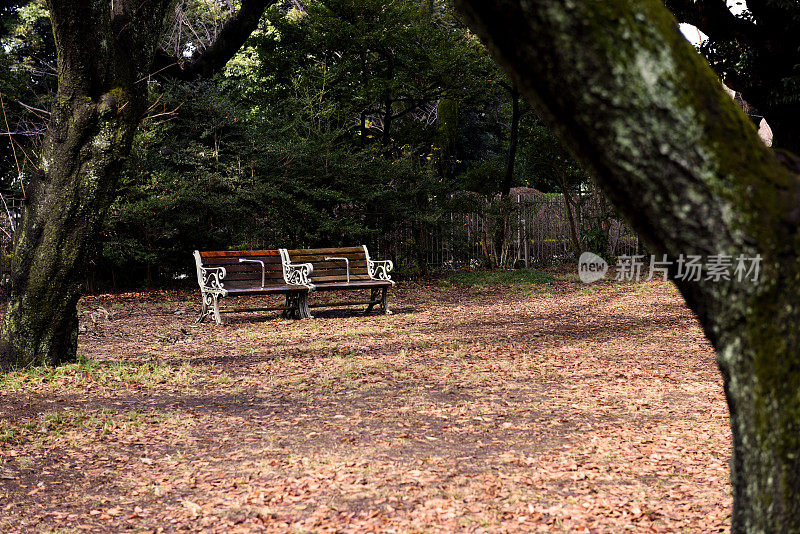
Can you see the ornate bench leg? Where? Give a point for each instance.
(215, 307)
(289, 312)
(384, 305)
(296, 306)
(205, 298)
(373, 298)
(305, 312)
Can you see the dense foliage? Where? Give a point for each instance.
(27, 81)
(340, 122)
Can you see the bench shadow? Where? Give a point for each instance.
(357, 312)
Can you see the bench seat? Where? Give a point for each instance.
(359, 284)
(267, 289)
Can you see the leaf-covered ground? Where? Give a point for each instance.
(550, 407)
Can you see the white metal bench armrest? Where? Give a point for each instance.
(211, 278)
(296, 274)
(379, 269)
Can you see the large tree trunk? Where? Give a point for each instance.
(685, 166)
(101, 56)
(105, 53)
(85, 146)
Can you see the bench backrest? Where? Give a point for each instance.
(245, 274)
(333, 270)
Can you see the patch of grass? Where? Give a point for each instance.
(223, 378)
(55, 424)
(488, 278)
(361, 331)
(7, 433)
(86, 371)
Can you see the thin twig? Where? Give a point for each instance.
(156, 72)
(8, 212)
(154, 103)
(33, 164)
(31, 108)
(11, 140)
(173, 112)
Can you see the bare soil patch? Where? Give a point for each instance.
(554, 407)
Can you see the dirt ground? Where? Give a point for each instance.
(555, 407)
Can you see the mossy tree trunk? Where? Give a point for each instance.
(101, 58)
(678, 158)
(84, 147)
(105, 54)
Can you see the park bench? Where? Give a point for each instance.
(234, 273)
(345, 269)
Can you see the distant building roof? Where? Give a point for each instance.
(527, 193)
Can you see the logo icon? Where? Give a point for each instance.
(591, 268)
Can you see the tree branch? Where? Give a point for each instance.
(213, 58)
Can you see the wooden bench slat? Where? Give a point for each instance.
(338, 264)
(245, 266)
(357, 284)
(322, 264)
(295, 256)
(296, 253)
(339, 270)
(253, 278)
(253, 283)
(268, 261)
(338, 251)
(238, 253)
(248, 268)
(255, 267)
